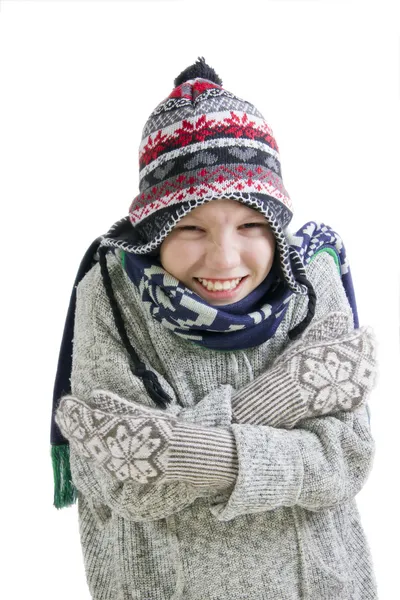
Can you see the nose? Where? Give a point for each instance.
(222, 255)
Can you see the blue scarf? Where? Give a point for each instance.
(249, 322)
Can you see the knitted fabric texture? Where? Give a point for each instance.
(288, 527)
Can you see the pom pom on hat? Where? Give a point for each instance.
(198, 69)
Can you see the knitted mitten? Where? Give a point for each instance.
(316, 375)
(132, 441)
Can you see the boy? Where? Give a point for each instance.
(218, 437)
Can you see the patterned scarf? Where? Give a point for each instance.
(249, 322)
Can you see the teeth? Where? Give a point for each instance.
(220, 285)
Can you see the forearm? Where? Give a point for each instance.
(129, 442)
(202, 456)
(130, 500)
(274, 399)
(319, 465)
(313, 377)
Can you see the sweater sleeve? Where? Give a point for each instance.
(100, 361)
(322, 461)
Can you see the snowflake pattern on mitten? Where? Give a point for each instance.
(132, 444)
(130, 441)
(337, 377)
(330, 368)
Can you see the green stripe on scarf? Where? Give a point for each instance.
(330, 251)
(65, 492)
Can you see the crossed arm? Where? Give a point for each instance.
(323, 461)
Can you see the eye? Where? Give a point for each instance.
(187, 227)
(247, 225)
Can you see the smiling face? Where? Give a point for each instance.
(220, 240)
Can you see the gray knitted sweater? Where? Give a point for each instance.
(287, 529)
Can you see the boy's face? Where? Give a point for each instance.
(219, 244)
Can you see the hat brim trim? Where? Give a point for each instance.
(121, 233)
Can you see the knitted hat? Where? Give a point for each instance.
(199, 144)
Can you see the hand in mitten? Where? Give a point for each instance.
(314, 376)
(132, 441)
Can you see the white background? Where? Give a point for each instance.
(78, 81)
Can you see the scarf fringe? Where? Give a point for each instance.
(65, 493)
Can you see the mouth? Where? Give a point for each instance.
(222, 294)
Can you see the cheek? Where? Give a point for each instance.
(263, 254)
(263, 244)
(166, 256)
(176, 257)
(270, 244)
(270, 238)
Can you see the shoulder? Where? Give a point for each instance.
(89, 290)
(325, 252)
(324, 273)
(92, 294)
(92, 282)
(93, 300)
(324, 270)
